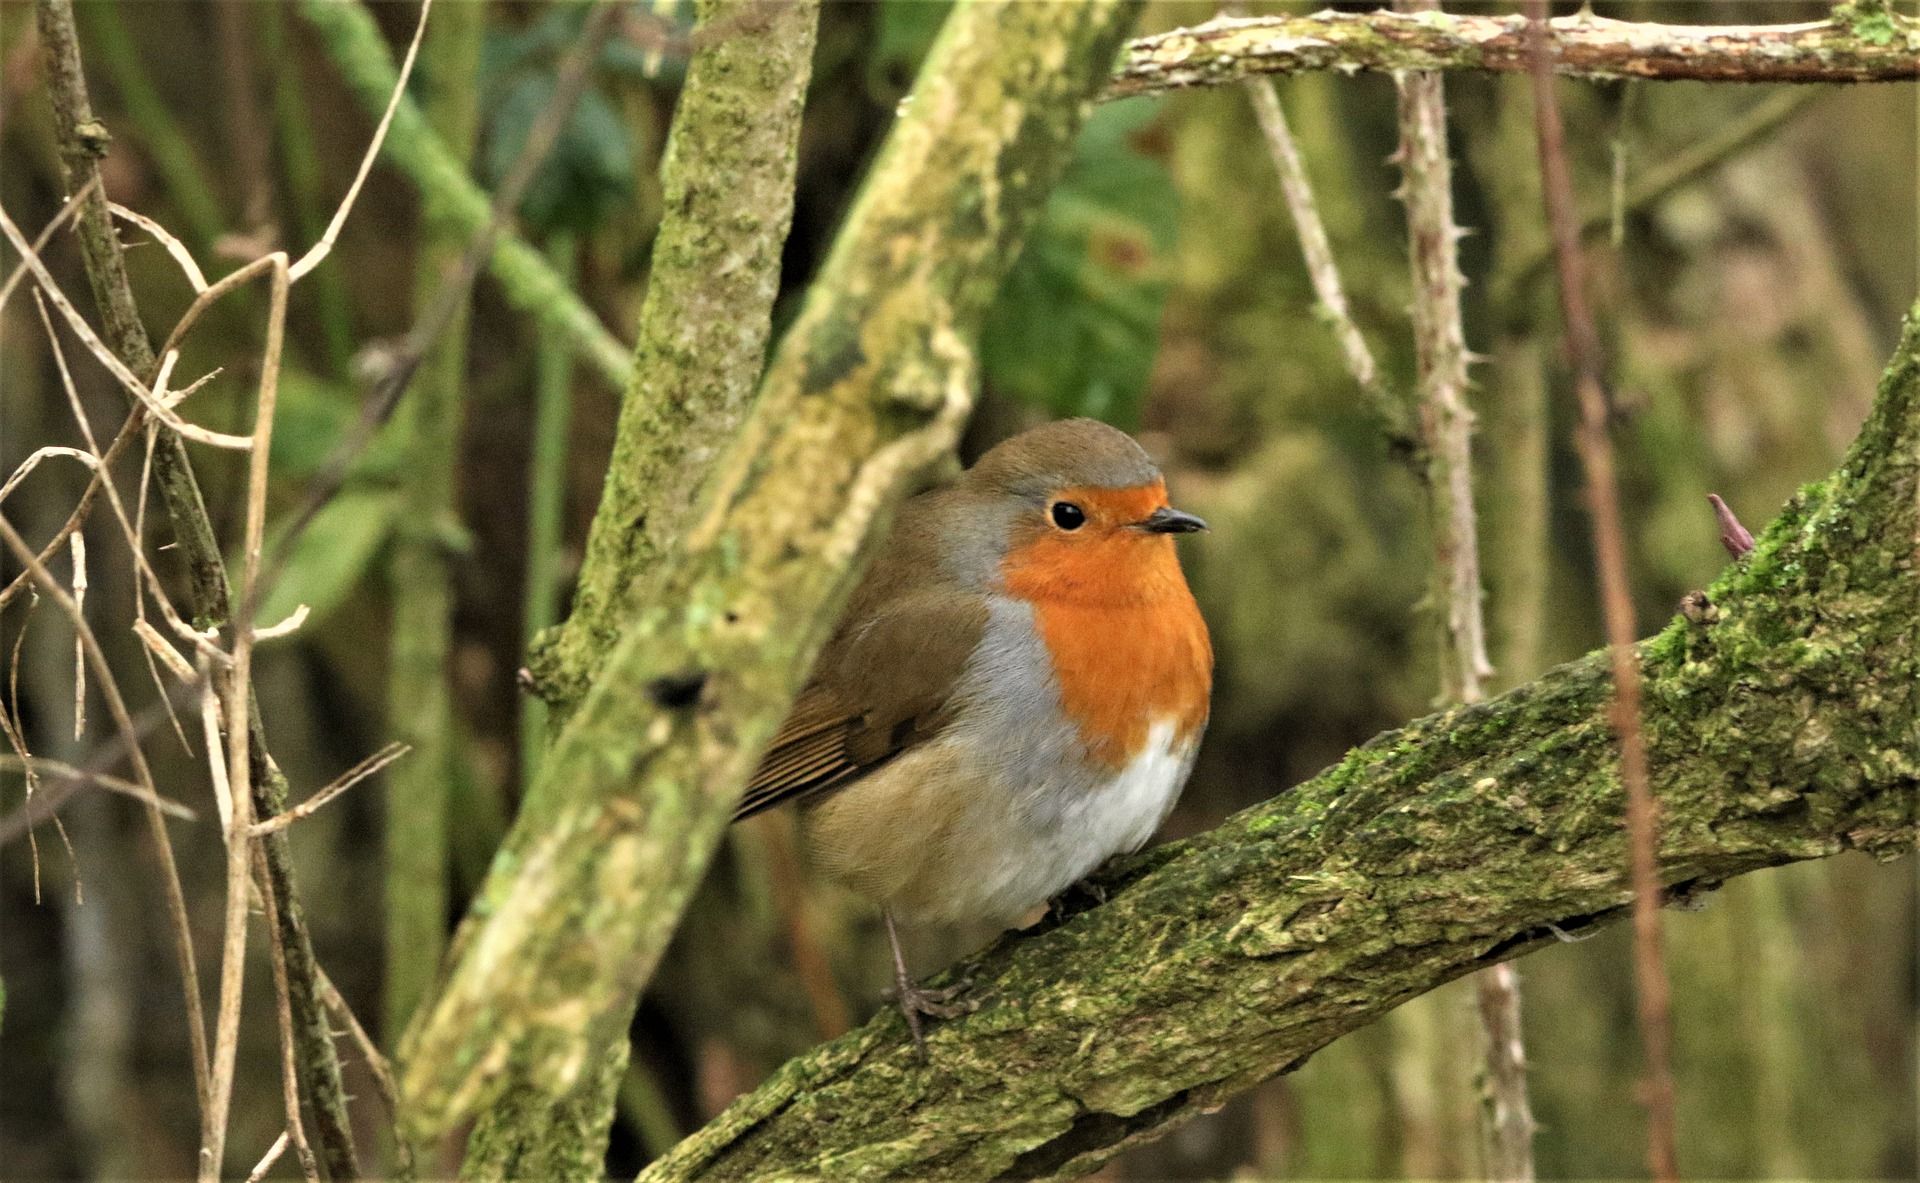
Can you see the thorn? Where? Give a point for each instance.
(1733, 535)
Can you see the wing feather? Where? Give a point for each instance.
(883, 685)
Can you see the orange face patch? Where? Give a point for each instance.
(1128, 644)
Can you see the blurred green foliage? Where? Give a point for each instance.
(1077, 322)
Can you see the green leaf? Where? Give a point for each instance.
(312, 416)
(588, 173)
(333, 555)
(1077, 321)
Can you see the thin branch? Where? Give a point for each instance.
(1321, 268)
(1616, 598)
(1225, 49)
(371, 766)
(283, 1013)
(58, 770)
(45, 236)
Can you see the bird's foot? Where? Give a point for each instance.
(918, 1002)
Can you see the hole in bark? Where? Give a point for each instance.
(677, 690)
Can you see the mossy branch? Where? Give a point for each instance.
(353, 41)
(1878, 47)
(727, 188)
(1783, 714)
(870, 386)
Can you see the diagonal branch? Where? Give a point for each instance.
(1783, 726)
(1870, 46)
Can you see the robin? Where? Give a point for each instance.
(1015, 694)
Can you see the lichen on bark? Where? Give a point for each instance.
(870, 386)
(727, 187)
(1783, 718)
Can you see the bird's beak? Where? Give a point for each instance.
(1166, 520)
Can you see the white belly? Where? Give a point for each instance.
(1053, 836)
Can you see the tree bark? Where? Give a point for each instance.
(727, 188)
(1783, 714)
(1862, 43)
(871, 386)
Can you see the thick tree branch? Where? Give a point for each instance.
(727, 185)
(1784, 723)
(1870, 45)
(870, 386)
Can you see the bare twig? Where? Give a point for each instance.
(45, 236)
(156, 821)
(320, 250)
(1445, 423)
(79, 650)
(346, 780)
(41, 767)
(108, 358)
(1321, 268)
(1446, 430)
(238, 703)
(377, 1063)
(1610, 556)
(267, 1160)
(1226, 50)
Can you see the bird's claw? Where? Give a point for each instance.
(945, 1002)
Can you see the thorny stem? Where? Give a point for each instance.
(1225, 51)
(1446, 427)
(1610, 557)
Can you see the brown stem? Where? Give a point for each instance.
(1610, 557)
(83, 141)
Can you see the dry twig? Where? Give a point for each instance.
(346, 780)
(1610, 557)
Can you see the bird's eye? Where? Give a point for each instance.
(1068, 516)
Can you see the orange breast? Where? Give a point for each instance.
(1128, 643)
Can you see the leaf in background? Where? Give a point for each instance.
(590, 170)
(311, 418)
(334, 555)
(1076, 324)
(903, 32)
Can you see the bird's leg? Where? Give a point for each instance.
(915, 1001)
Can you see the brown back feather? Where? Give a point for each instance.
(883, 685)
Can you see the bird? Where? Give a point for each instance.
(1015, 692)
